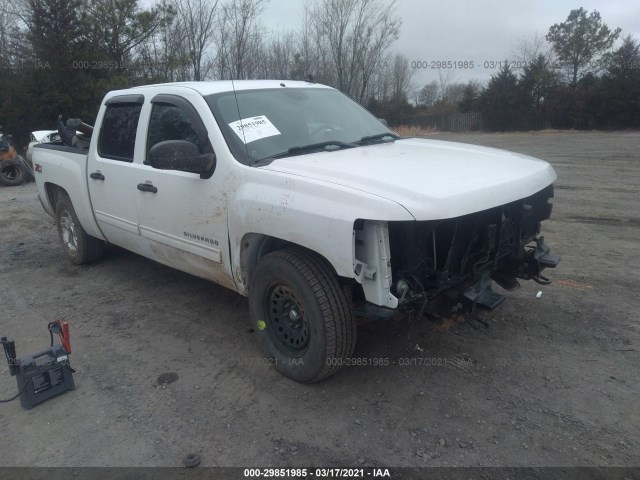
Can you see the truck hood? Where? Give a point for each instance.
(432, 179)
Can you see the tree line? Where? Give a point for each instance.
(579, 81)
(575, 77)
(62, 56)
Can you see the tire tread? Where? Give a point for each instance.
(339, 322)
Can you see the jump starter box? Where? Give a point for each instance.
(45, 374)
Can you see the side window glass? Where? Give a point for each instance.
(169, 122)
(118, 132)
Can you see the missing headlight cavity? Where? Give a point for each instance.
(454, 261)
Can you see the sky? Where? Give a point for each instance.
(482, 32)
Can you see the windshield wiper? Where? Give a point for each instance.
(299, 150)
(379, 136)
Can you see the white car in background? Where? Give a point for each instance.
(41, 136)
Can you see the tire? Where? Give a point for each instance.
(12, 172)
(79, 246)
(301, 316)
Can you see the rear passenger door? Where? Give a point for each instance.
(112, 180)
(183, 218)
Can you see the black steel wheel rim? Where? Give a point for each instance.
(288, 324)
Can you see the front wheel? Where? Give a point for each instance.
(79, 246)
(301, 316)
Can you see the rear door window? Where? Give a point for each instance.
(118, 132)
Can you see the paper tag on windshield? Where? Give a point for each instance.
(254, 128)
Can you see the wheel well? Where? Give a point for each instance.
(254, 246)
(53, 192)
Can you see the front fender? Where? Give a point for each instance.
(317, 215)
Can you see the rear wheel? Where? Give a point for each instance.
(301, 315)
(12, 172)
(79, 246)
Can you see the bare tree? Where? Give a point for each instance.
(199, 18)
(401, 74)
(392, 81)
(240, 38)
(166, 56)
(444, 79)
(529, 49)
(7, 32)
(17, 10)
(279, 56)
(313, 58)
(4, 28)
(429, 94)
(380, 85)
(445, 94)
(453, 93)
(356, 34)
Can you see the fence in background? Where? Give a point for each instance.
(455, 122)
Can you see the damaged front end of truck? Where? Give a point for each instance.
(445, 267)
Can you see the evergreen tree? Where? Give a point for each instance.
(537, 82)
(501, 102)
(580, 43)
(621, 87)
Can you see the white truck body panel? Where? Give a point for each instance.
(203, 226)
(275, 204)
(68, 170)
(432, 179)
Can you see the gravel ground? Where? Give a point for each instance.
(166, 363)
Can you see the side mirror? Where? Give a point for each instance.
(183, 156)
(384, 122)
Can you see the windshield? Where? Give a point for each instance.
(270, 123)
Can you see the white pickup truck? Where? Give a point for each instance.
(294, 195)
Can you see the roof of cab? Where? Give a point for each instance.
(208, 88)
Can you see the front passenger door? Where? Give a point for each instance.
(183, 218)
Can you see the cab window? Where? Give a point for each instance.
(118, 132)
(169, 122)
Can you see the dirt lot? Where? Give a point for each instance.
(545, 382)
